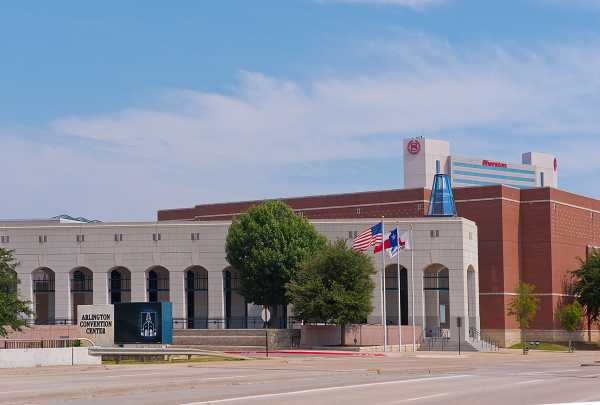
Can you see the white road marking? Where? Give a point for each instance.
(528, 382)
(426, 397)
(578, 403)
(13, 392)
(338, 388)
(224, 377)
(547, 372)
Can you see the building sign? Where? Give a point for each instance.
(413, 147)
(148, 326)
(491, 163)
(143, 323)
(97, 323)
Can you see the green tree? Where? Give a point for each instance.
(587, 289)
(334, 286)
(12, 309)
(266, 245)
(569, 317)
(523, 307)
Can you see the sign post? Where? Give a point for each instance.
(265, 315)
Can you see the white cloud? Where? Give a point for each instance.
(198, 146)
(426, 86)
(414, 4)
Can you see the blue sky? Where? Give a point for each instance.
(116, 109)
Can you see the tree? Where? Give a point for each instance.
(569, 317)
(587, 289)
(266, 245)
(12, 309)
(523, 307)
(334, 286)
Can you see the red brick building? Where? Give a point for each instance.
(535, 235)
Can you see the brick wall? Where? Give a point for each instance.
(534, 235)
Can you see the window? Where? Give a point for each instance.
(195, 236)
(4, 239)
(118, 237)
(80, 238)
(358, 211)
(42, 238)
(470, 235)
(156, 237)
(434, 233)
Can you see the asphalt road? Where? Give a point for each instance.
(428, 378)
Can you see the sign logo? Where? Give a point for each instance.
(148, 327)
(490, 163)
(555, 164)
(413, 147)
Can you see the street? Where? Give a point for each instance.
(422, 378)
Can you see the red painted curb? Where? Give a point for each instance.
(314, 353)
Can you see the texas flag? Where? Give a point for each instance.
(393, 243)
(390, 244)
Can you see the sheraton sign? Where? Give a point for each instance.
(491, 163)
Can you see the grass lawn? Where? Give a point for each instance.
(175, 359)
(552, 347)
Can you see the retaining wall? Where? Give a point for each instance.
(356, 335)
(18, 358)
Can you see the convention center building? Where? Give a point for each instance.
(64, 264)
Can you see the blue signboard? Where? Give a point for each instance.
(143, 322)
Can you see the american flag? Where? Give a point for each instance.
(369, 237)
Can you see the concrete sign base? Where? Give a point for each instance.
(97, 323)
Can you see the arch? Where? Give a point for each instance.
(157, 284)
(81, 288)
(236, 308)
(472, 296)
(391, 295)
(436, 299)
(119, 285)
(42, 280)
(196, 297)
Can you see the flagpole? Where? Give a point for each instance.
(399, 295)
(412, 288)
(383, 311)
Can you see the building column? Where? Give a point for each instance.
(216, 301)
(458, 302)
(177, 295)
(25, 287)
(25, 290)
(100, 287)
(62, 296)
(138, 286)
(419, 294)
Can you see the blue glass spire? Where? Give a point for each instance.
(441, 203)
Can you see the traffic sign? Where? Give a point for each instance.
(265, 314)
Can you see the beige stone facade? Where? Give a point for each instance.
(66, 264)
